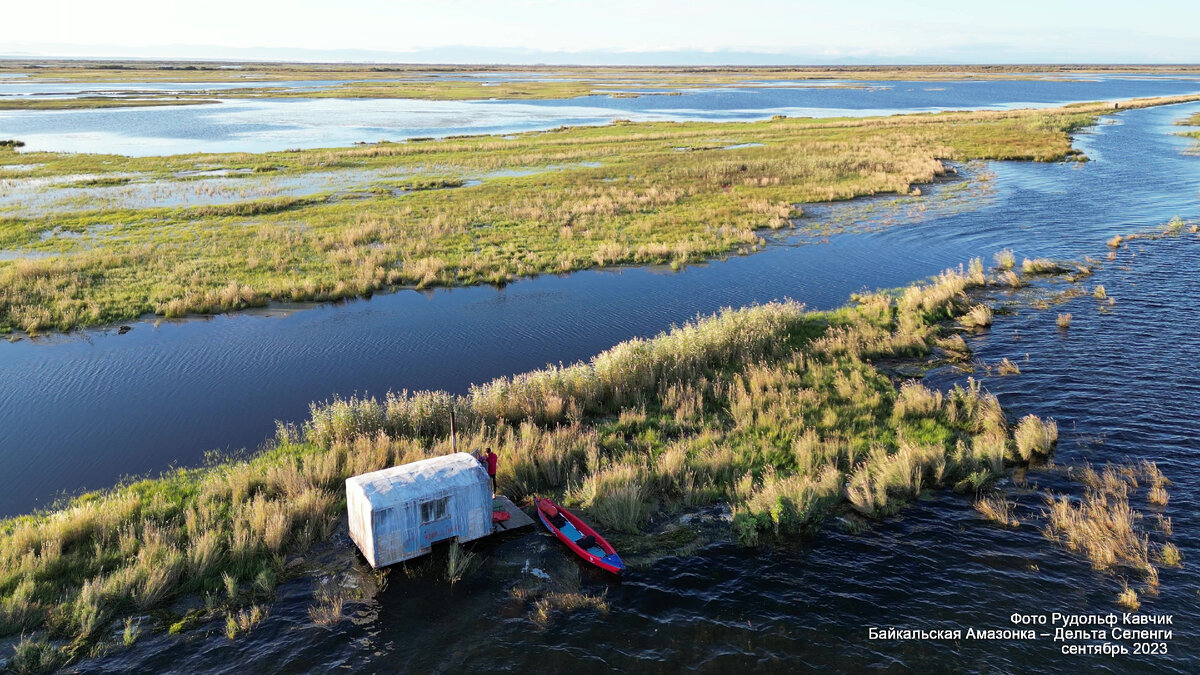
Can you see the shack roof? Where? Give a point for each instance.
(419, 479)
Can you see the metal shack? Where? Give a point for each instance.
(397, 513)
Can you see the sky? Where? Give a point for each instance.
(620, 31)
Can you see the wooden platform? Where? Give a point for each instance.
(517, 518)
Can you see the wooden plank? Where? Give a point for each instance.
(517, 518)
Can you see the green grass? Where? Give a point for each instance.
(777, 411)
(549, 202)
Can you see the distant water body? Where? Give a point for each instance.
(260, 125)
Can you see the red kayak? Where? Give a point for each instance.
(578, 536)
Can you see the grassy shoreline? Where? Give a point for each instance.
(200, 71)
(776, 411)
(534, 203)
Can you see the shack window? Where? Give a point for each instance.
(435, 509)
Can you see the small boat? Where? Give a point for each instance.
(578, 536)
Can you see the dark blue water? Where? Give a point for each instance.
(275, 124)
(82, 410)
(1121, 382)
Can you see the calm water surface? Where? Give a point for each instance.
(1120, 382)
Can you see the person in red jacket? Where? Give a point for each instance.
(491, 459)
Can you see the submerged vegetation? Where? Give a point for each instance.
(776, 411)
(543, 202)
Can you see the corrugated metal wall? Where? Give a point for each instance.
(384, 507)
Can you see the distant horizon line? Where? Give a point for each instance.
(980, 55)
(19, 56)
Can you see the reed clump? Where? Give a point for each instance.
(545, 607)
(459, 563)
(1011, 279)
(1103, 526)
(1037, 266)
(1005, 260)
(562, 594)
(1128, 599)
(36, 655)
(1007, 367)
(979, 316)
(998, 510)
(1170, 556)
(1063, 321)
(1035, 437)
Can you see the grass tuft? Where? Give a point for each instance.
(998, 510)
(1041, 266)
(459, 563)
(133, 629)
(979, 316)
(1035, 437)
(545, 607)
(244, 620)
(1007, 367)
(1102, 527)
(1011, 279)
(1128, 599)
(1158, 496)
(1170, 556)
(328, 609)
(35, 655)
